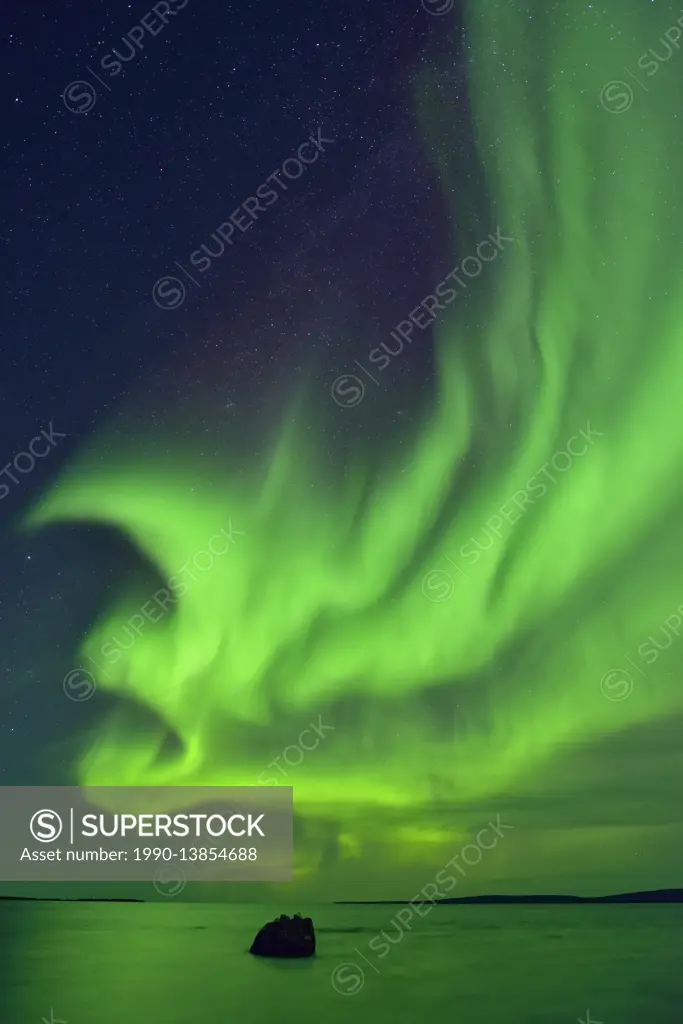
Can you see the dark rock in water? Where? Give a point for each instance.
(285, 937)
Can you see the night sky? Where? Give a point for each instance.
(182, 398)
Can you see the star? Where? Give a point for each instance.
(588, 1020)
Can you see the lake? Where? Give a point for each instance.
(186, 963)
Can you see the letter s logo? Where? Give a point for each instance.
(46, 826)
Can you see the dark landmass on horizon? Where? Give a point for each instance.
(649, 896)
(70, 899)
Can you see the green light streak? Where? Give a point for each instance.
(327, 605)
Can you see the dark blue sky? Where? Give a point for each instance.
(111, 180)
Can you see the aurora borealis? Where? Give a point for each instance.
(453, 686)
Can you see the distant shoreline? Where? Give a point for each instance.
(66, 899)
(649, 896)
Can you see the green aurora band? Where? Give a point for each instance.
(451, 662)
